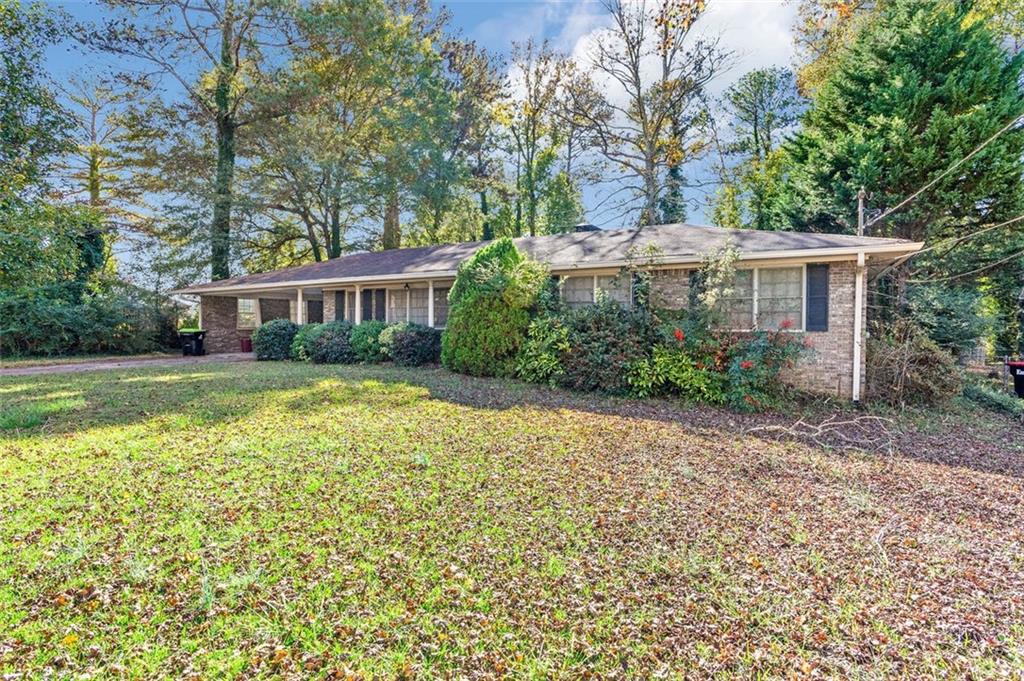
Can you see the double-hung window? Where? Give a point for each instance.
(248, 313)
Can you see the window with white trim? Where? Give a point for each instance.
(737, 307)
(441, 306)
(418, 305)
(248, 313)
(293, 309)
(397, 299)
(780, 297)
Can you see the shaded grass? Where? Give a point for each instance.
(17, 362)
(271, 520)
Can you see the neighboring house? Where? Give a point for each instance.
(810, 282)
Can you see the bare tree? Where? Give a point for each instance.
(643, 99)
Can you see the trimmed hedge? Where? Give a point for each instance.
(365, 339)
(410, 344)
(273, 340)
(332, 344)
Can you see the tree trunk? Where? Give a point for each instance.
(334, 248)
(93, 180)
(392, 236)
(220, 229)
(488, 230)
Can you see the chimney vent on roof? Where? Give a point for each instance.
(585, 227)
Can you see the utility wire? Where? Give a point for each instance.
(946, 172)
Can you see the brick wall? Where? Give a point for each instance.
(828, 369)
(220, 320)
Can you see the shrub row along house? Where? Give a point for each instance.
(814, 283)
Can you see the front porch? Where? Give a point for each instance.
(229, 319)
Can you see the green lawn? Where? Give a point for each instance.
(19, 362)
(280, 520)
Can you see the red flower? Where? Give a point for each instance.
(680, 336)
(747, 364)
(786, 324)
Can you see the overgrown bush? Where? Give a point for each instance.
(489, 310)
(331, 343)
(302, 345)
(905, 366)
(410, 344)
(46, 322)
(273, 340)
(991, 397)
(366, 341)
(540, 358)
(604, 341)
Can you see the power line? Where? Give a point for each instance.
(946, 172)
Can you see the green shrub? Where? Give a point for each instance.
(331, 343)
(273, 340)
(605, 340)
(489, 310)
(674, 371)
(756, 361)
(410, 344)
(366, 341)
(302, 344)
(991, 397)
(482, 338)
(540, 358)
(905, 366)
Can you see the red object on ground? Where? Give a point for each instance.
(246, 344)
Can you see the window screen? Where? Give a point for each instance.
(578, 291)
(616, 287)
(738, 307)
(780, 298)
(247, 316)
(441, 306)
(418, 305)
(396, 305)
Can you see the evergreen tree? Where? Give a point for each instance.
(915, 93)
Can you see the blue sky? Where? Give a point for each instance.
(757, 31)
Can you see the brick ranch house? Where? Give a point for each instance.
(815, 283)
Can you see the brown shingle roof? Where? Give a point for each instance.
(561, 252)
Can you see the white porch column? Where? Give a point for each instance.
(408, 301)
(300, 308)
(359, 304)
(430, 303)
(858, 324)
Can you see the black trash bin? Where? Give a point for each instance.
(1017, 371)
(192, 342)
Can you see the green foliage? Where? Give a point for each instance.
(115, 322)
(563, 205)
(673, 370)
(331, 343)
(410, 344)
(366, 341)
(952, 317)
(918, 89)
(490, 304)
(302, 344)
(756, 361)
(273, 340)
(604, 341)
(905, 366)
(483, 336)
(540, 358)
(993, 397)
(35, 128)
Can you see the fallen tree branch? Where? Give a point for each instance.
(863, 433)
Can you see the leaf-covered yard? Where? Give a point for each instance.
(304, 521)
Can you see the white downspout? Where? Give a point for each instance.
(858, 324)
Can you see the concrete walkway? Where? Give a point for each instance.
(127, 363)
